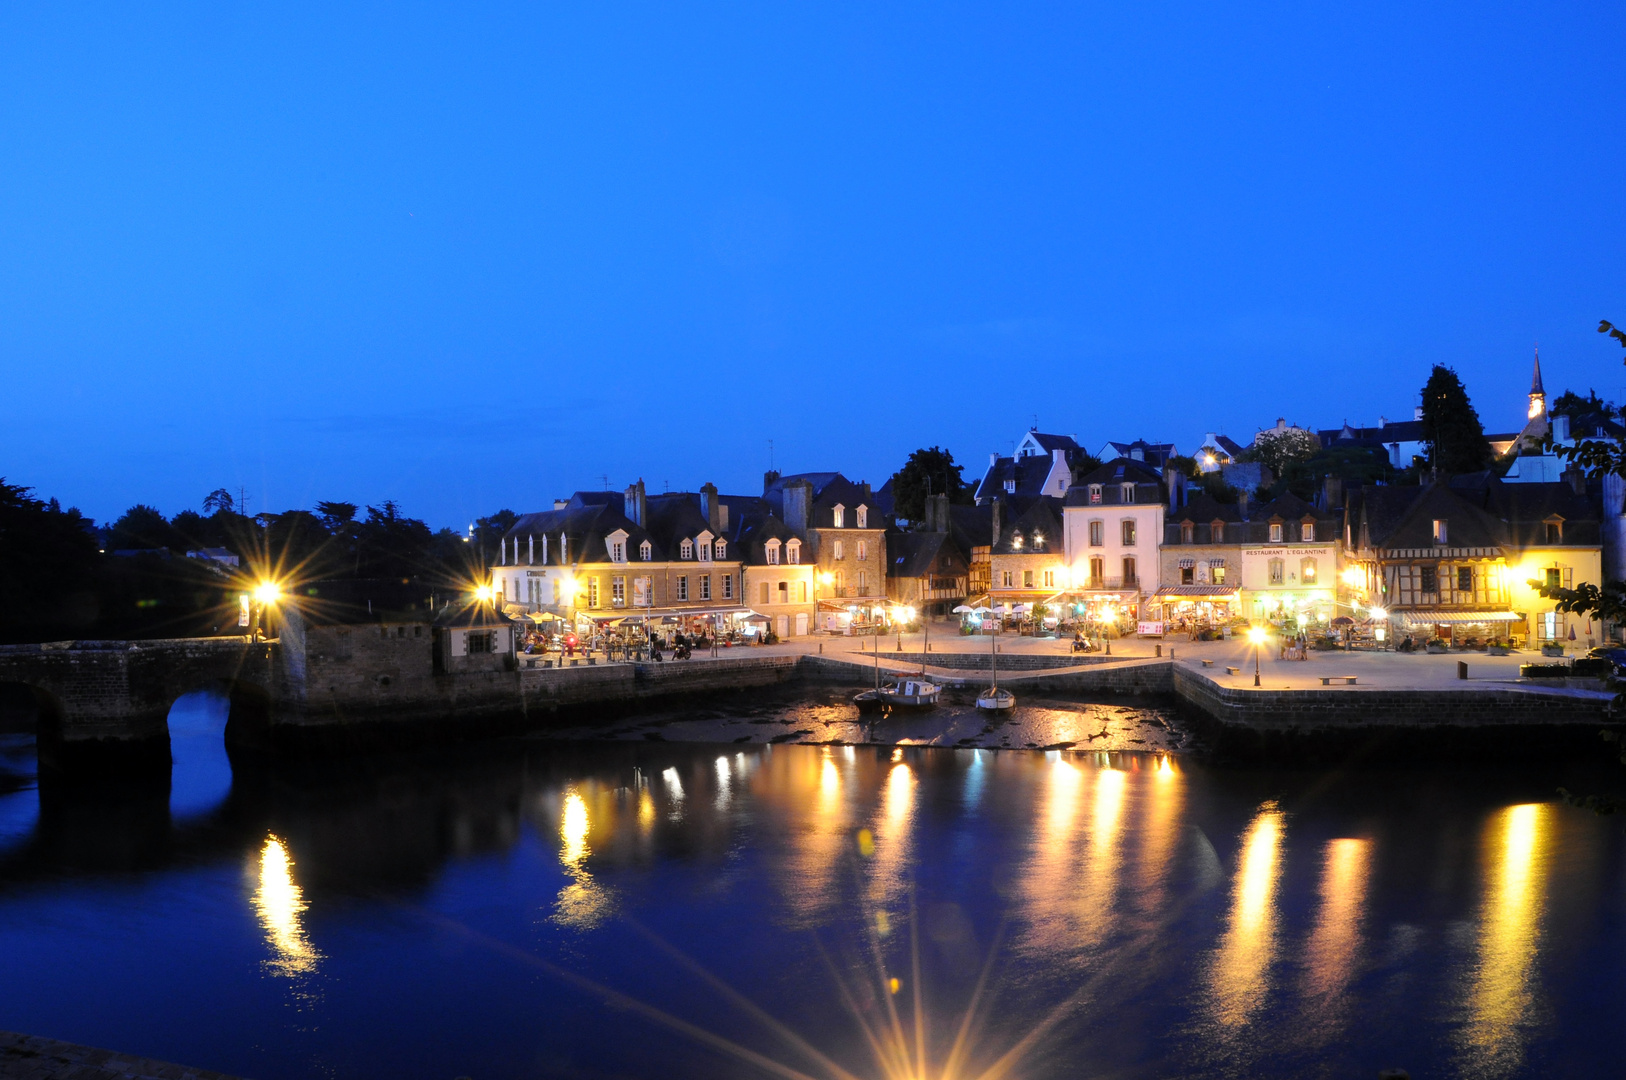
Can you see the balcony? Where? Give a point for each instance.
(1110, 584)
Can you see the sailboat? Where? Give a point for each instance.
(994, 699)
(914, 692)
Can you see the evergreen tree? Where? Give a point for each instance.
(1454, 436)
(927, 472)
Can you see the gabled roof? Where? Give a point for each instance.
(1029, 473)
(971, 526)
(1410, 523)
(1287, 507)
(1228, 444)
(1052, 443)
(1204, 508)
(916, 554)
(1041, 517)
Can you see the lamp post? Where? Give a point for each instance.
(1256, 634)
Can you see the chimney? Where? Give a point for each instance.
(636, 507)
(996, 505)
(1577, 480)
(768, 479)
(1242, 502)
(937, 513)
(1332, 492)
(1417, 413)
(867, 493)
(1561, 429)
(993, 459)
(708, 505)
(560, 504)
(798, 505)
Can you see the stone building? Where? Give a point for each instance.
(927, 569)
(1028, 557)
(843, 536)
(1200, 565)
(1290, 562)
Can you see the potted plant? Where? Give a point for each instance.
(1497, 647)
(1552, 649)
(1438, 645)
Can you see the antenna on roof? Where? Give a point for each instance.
(770, 453)
(605, 480)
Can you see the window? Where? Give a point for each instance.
(839, 515)
(1428, 579)
(1038, 541)
(1010, 486)
(772, 552)
(1555, 532)
(1097, 533)
(1278, 569)
(804, 592)
(705, 551)
(720, 549)
(841, 582)
(784, 592)
(1440, 534)
(1217, 572)
(1307, 571)
(728, 586)
(863, 519)
(1016, 540)
(1095, 494)
(479, 641)
(1007, 579)
(618, 592)
(1275, 532)
(1126, 493)
(1098, 570)
(840, 551)
(1188, 575)
(592, 592)
(863, 583)
(1554, 578)
(1128, 529)
(683, 587)
(618, 551)
(705, 586)
(1307, 531)
(645, 552)
(556, 589)
(1027, 579)
(1188, 533)
(1129, 573)
(1050, 579)
(1465, 579)
(793, 552)
(863, 550)
(1216, 532)
(764, 592)
(686, 549)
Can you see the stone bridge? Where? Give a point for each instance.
(95, 696)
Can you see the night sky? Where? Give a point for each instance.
(471, 259)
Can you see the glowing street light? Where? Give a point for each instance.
(484, 593)
(267, 592)
(1256, 634)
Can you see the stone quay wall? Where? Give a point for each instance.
(975, 661)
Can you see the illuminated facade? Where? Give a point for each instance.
(1027, 559)
(1113, 523)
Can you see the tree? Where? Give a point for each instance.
(1278, 448)
(1452, 431)
(1351, 464)
(48, 564)
(930, 471)
(217, 500)
(1571, 404)
(141, 527)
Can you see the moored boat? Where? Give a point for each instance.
(996, 700)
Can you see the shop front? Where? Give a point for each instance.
(1460, 628)
(1194, 609)
(865, 616)
(1306, 612)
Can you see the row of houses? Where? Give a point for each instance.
(1056, 533)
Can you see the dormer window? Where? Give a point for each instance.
(686, 550)
(1038, 541)
(793, 552)
(863, 517)
(1188, 533)
(1555, 530)
(1016, 541)
(771, 552)
(1307, 531)
(705, 551)
(720, 549)
(646, 551)
(1010, 486)
(1095, 494)
(1216, 531)
(618, 551)
(1275, 532)
(839, 515)
(1441, 535)
(1126, 493)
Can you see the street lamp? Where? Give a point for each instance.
(266, 593)
(1256, 634)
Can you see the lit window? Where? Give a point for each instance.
(1441, 535)
(1027, 579)
(1010, 486)
(720, 549)
(840, 550)
(1307, 571)
(1275, 532)
(618, 592)
(1277, 571)
(839, 514)
(863, 519)
(645, 551)
(1095, 494)
(1050, 579)
(863, 550)
(1128, 529)
(793, 552)
(592, 592)
(772, 552)
(1007, 579)
(1307, 531)
(1016, 540)
(618, 552)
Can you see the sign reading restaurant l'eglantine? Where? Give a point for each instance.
(1279, 549)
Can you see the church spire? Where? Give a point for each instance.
(1535, 383)
(1538, 396)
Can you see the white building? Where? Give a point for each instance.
(1112, 521)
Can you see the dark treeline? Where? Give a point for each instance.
(62, 576)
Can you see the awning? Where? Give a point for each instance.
(1456, 618)
(756, 616)
(1196, 592)
(1187, 564)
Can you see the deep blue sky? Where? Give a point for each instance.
(478, 259)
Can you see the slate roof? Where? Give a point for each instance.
(1041, 517)
(829, 490)
(1147, 480)
(913, 555)
(971, 526)
(1204, 508)
(1052, 443)
(1029, 473)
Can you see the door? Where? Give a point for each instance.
(782, 626)
(801, 624)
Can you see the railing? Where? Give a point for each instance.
(1109, 583)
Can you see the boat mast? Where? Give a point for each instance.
(993, 657)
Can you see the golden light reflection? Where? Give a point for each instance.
(1240, 975)
(584, 903)
(1502, 990)
(1102, 856)
(279, 903)
(815, 841)
(1160, 824)
(646, 812)
(892, 834)
(1048, 880)
(1334, 945)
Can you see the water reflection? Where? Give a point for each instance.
(200, 778)
(1502, 992)
(1047, 881)
(584, 903)
(1163, 802)
(893, 826)
(1332, 951)
(808, 791)
(280, 904)
(1102, 857)
(1240, 976)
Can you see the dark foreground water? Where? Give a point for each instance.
(668, 909)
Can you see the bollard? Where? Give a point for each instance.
(1160, 650)
(1462, 669)
(821, 648)
(1108, 643)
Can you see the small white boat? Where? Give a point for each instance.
(911, 693)
(996, 700)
